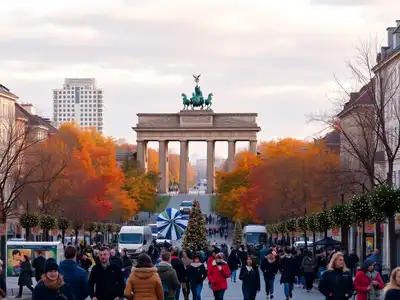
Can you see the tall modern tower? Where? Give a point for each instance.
(79, 100)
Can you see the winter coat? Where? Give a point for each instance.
(41, 292)
(196, 273)
(25, 277)
(392, 295)
(288, 268)
(76, 277)
(177, 264)
(233, 261)
(85, 263)
(109, 282)
(362, 282)
(169, 279)
(242, 256)
(114, 260)
(308, 264)
(269, 269)
(335, 284)
(210, 261)
(217, 277)
(144, 284)
(38, 264)
(127, 266)
(250, 279)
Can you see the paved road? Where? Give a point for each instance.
(204, 201)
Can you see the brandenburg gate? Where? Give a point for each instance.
(192, 124)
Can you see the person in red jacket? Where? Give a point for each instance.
(211, 259)
(217, 276)
(368, 283)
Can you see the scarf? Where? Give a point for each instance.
(53, 285)
(373, 294)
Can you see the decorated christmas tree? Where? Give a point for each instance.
(195, 237)
(237, 236)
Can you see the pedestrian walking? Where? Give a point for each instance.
(144, 283)
(168, 276)
(368, 282)
(392, 290)
(38, 265)
(308, 265)
(52, 285)
(25, 277)
(269, 268)
(288, 268)
(126, 264)
(233, 263)
(217, 276)
(106, 281)
(196, 273)
(115, 259)
(3, 287)
(179, 268)
(250, 277)
(75, 276)
(336, 282)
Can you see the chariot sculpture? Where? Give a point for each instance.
(197, 99)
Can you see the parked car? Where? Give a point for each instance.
(185, 207)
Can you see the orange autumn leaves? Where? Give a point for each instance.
(87, 183)
(286, 177)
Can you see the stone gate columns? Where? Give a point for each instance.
(231, 155)
(184, 158)
(253, 147)
(141, 152)
(210, 166)
(163, 166)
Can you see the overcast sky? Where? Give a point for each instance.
(276, 58)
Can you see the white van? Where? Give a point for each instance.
(254, 234)
(136, 239)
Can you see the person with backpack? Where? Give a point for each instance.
(168, 277)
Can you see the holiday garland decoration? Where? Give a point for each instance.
(109, 227)
(101, 227)
(47, 222)
(29, 220)
(340, 215)
(312, 223)
(282, 229)
(269, 228)
(361, 208)
(291, 225)
(301, 223)
(92, 226)
(322, 221)
(385, 201)
(116, 228)
(63, 223)
(195, 237)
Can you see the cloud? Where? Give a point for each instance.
(276, 58)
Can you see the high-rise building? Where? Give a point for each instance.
(79, 100)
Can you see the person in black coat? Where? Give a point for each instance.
(106, 281)
(269, 268)
(114, 259)
(250, 277)
(392, 290)
(38, 264)
(3, 286)
(196, 273)
(288, 268)
(336, 283)
(52, 286)
(233, 263)
(25, 277)
(126, 264)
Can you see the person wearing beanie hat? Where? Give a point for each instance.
(52, 285)
(368, 282)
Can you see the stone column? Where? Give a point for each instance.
(163, 166)
(184, 157)
(231, 155)
(253, 147)
(141, 154)
(210, 166)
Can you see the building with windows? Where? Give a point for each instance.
(79, 100)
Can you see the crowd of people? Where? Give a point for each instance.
(166, 272)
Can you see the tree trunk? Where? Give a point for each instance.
(305, 240)
(28, 233)
(344, 233)
(363, 243)
(378, 237)
(354, 237)
(314, 246)
(76, 236)
(62, 235)
(90, 237)
(392, 243)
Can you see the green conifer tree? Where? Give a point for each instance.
(195, 237)
(237, 236)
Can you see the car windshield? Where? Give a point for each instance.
(130, 238)
(187, 204)
(154, 229)
(255, 237)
